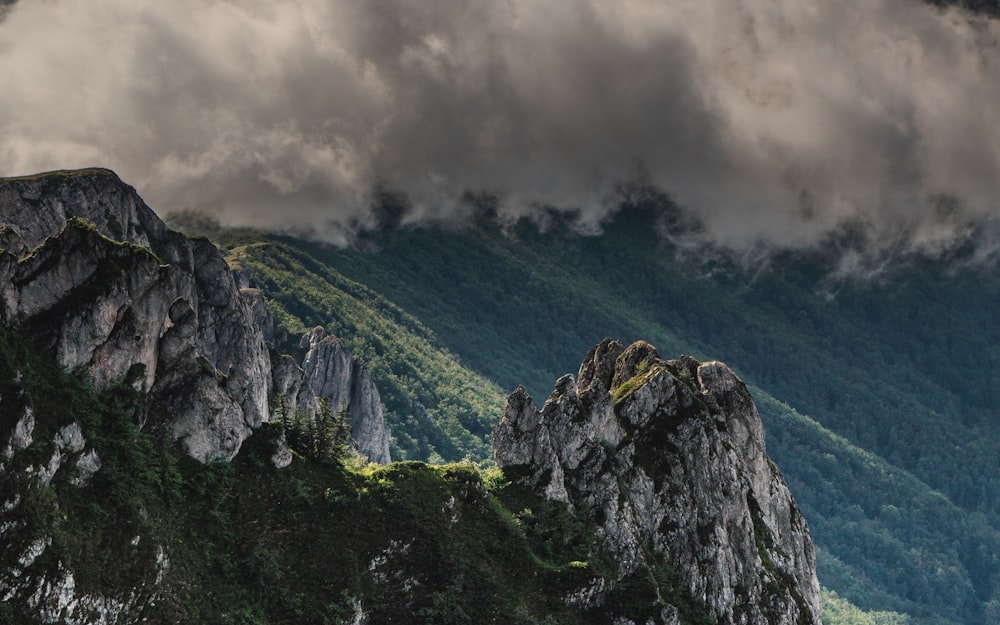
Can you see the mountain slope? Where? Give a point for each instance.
(435, 406)
(883, 367)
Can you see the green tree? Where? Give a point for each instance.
(325, 437)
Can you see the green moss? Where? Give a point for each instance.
(643, 377)
(82, 225)
(682, 376)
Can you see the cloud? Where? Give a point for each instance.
(775, 123)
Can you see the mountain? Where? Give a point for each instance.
(657, 452)
(878, 395)
(93, 275)
(163, 460)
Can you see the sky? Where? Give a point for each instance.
(774, 123)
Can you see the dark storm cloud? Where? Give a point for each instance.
(775, 122)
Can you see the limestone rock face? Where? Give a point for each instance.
(293, 396)
(668, 459)
(39, 207)
(93, 273)
(333, 374)
(96, 276)
(329, 374)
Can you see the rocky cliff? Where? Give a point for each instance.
(329, 378)
(666, 458)
(92, 273)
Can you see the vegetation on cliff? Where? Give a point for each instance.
(243, 542)
(878, 416)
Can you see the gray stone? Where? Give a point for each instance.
(345, 384)
(21, 437)
(282, 456)
(111, 289)
(87, 465)
(669, 458)
(70, 438)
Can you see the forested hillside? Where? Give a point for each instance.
(438, 409)
(894, 464)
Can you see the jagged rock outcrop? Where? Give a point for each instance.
(345, 383)
(96, 276)
(110, 288)
(327, 376)
(330, 378)
(667, 458)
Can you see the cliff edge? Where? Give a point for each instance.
(666, 458)
(94, 275)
